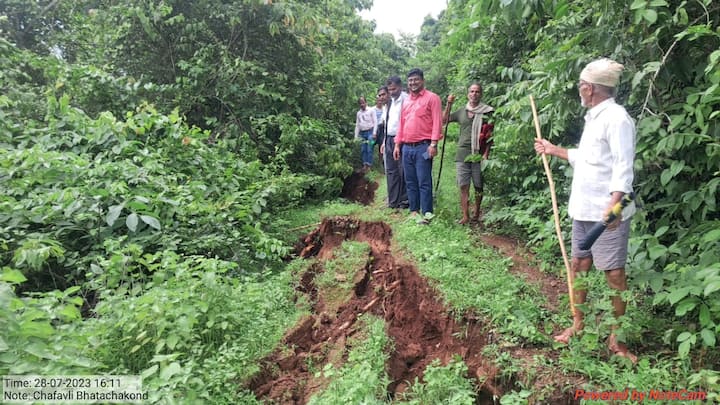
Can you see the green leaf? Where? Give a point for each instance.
(132, 221)
(3, 345)
(665, 177)
(661, 231)
(712, 287)
(172, 341)
(40, 350)
(712, 236)
(704, 315)
(656, 251)
(152, 221)
(708, 337)
(684, 336)
(685, 306)
(638, 4)
(170, 370)
(113, 214)
(149, 371)
(12, 276)
(677, 295)
(650, 16)
(69, 312)
(658, 3)
(684, 349)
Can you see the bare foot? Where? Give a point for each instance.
(476, 215)
(565, 336)
(463, 221)
(620, 349)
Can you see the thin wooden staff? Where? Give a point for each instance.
(442, 154)
(556, 212)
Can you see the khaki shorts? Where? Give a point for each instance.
(609, 252)
(469, 171)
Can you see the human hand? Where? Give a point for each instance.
(615, 222)
(543, 146)
(450, 98)
(382, 148)
(396, 153)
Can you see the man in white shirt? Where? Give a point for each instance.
(397, 193)
(365, 127)
(602, 175)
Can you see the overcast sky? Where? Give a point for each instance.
(395, 16)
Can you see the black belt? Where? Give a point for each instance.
(425, 142)
(391, 136)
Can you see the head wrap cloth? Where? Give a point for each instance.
(604, 71)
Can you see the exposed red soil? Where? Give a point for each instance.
(359, 189)
(416, 319)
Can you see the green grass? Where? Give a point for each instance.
(362, 379)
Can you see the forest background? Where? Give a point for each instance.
(157, 144)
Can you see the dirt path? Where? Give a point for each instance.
(550, 285)
(418, 323)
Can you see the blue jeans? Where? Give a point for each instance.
(366, 151)
(418, 177)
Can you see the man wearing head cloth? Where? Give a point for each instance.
(602, 175)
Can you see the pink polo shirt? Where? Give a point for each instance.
(421, 118)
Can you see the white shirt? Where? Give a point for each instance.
(395, 106)
(603, 162)
(365, 120)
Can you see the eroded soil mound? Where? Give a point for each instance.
(416, 320)
(359, 189)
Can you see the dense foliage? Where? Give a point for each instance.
(145, 149)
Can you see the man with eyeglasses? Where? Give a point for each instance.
(417, 138)
(397, 194)
(603, 174)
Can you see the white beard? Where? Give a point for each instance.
(582, 102)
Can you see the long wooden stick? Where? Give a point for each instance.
(556, 212)
(442, 154)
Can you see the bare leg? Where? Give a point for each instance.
(464, 203)
(616, 280)
(478, 201)
(577, 265)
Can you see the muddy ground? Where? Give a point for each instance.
(417, 321)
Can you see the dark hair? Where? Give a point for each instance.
(394, 80)
(383, 88)
(476, 84)
(416, 72)
(362, 98)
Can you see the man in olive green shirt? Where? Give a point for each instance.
(473, 146)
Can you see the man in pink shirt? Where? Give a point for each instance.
(416, 141)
